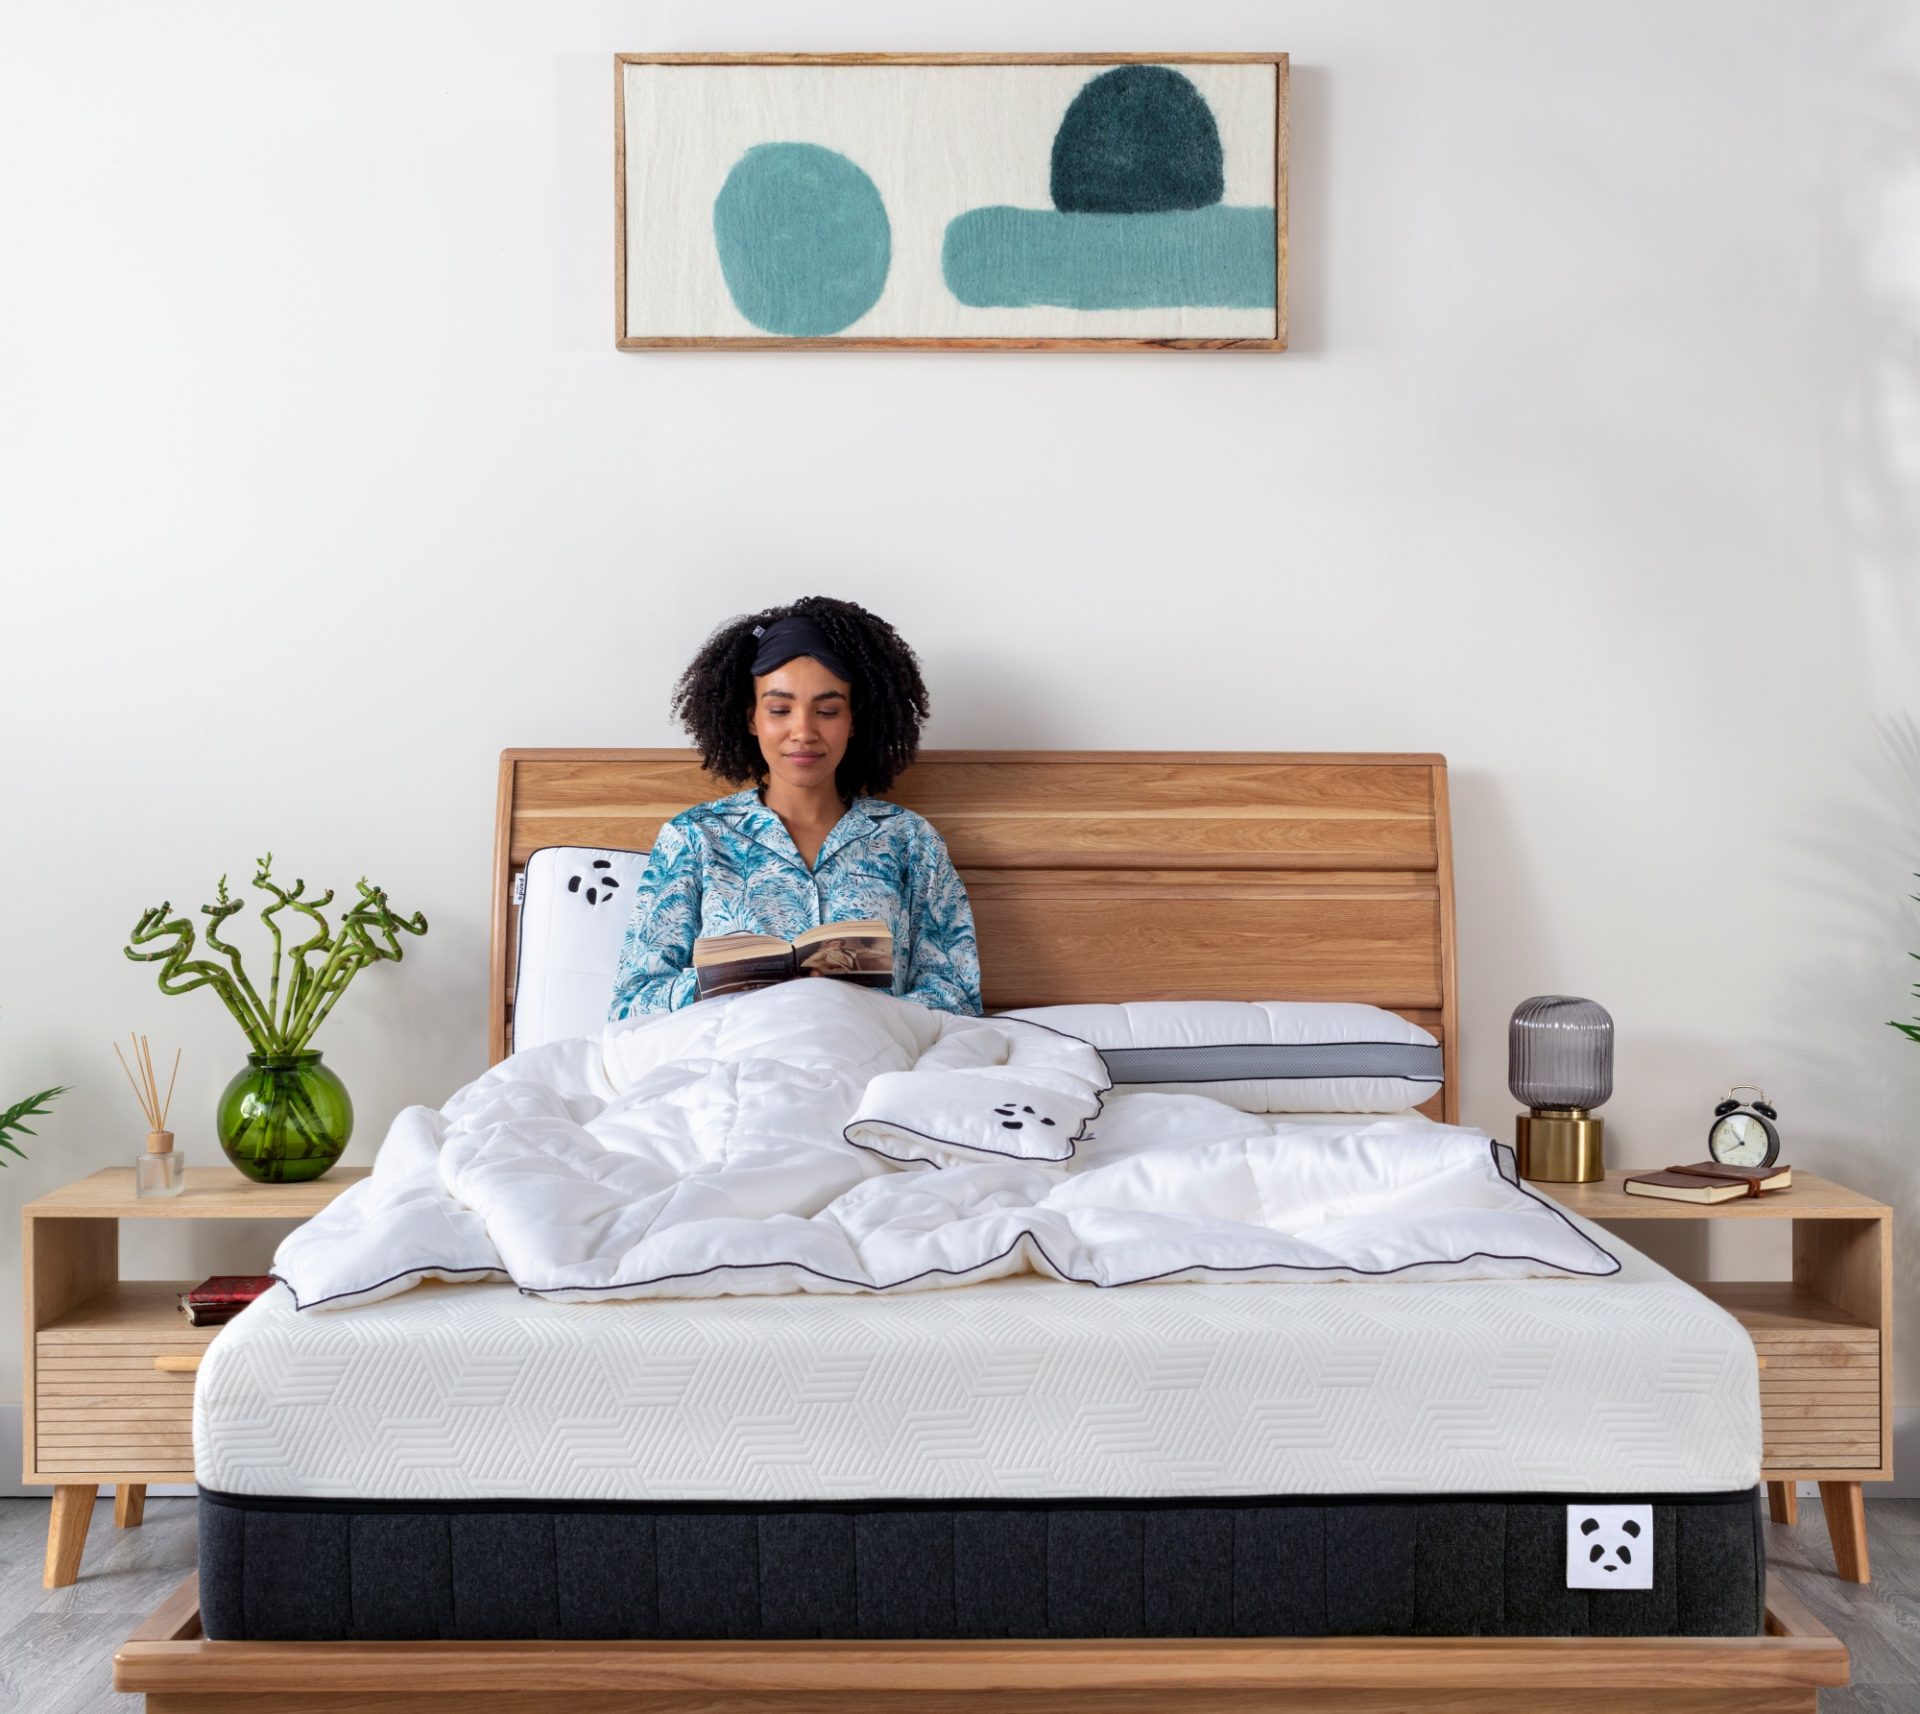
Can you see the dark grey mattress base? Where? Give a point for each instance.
(291, 1569)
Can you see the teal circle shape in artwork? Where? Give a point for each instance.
(803, 238)
(1139, 139)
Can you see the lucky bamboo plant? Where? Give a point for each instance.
(286, 1117)
(307, 978)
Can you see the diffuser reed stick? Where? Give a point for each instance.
(146, 1087)
(160, 1171)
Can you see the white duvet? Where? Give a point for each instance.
(818, 1137)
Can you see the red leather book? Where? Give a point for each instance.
(221, 1297)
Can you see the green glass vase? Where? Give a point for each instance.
(285, 1120)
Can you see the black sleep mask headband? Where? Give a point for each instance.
(795, 635)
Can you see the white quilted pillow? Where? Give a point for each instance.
(573, 917)
(1264, 1056)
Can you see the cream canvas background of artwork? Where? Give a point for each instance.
(936, 140)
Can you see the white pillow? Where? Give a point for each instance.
(574, 908)
(975, 1095)
(1265, 1056)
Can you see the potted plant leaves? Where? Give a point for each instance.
(13, 1122)
(285, 1117)
(1910, 1030)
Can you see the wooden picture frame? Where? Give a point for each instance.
(1223, 254)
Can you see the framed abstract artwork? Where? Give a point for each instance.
(1081, 202)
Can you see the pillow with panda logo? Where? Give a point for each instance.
(1266, 1056)
(980, 1093)
(574, 901)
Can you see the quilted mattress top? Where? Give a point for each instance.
(1018, 1388)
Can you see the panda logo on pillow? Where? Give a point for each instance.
(599, 883)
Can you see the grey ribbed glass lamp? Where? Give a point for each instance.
(1560, 1064)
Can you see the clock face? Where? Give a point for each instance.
(1738, 1140)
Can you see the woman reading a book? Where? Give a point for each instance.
(816, 707)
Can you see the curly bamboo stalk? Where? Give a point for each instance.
(216, 914)
(320, 941)
(301, 992)
(176, 960)
(373, 912)
(263, 879)
(306, 1121)
(357, 929)
(324, 985)
(331, 999)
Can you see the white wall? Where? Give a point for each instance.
(1594, 466)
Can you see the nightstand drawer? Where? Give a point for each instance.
(139, 1428)
(102, 1402)
(1820, 1391)
(1820, 1400)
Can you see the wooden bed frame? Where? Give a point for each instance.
(1237, 876)
(1094, 876)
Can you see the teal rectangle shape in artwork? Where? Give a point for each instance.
(1016, 258)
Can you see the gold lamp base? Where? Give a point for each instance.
(1560, 1145)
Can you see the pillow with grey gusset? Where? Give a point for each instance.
(1266, 1056)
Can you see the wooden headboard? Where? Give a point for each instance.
(1107, 874)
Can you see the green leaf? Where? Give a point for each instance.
(12, 1121)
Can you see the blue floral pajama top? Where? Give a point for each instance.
(730, 867)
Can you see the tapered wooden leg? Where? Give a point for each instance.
(129, 1505)
(1847, 1528)
(67, 1532)
(1783, 1502)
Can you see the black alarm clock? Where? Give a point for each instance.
(1743, 1132)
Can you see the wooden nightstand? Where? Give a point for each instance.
(109, 1363)
(1824, 1339)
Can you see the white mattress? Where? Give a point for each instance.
(1020, 1388)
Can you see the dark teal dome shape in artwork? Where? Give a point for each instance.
(1138, 220)
(803, 238)
(1139, 139)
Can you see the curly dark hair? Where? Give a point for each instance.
(889, 698)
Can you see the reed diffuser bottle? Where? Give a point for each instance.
(161, 1170)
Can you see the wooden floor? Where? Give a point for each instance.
(56, 1646)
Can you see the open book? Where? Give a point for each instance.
(854, 951)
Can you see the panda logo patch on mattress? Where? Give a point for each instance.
(1609, 1547)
